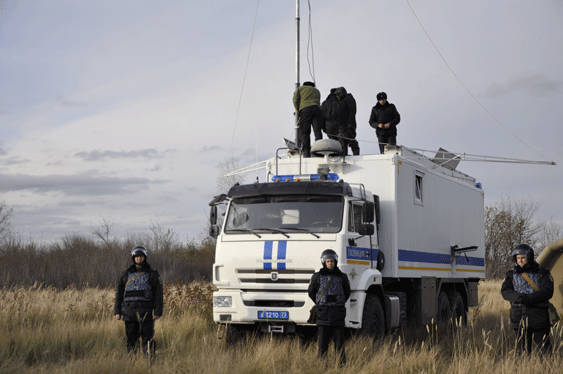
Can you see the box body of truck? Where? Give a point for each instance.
(421, 261)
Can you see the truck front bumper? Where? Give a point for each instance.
(234, 306)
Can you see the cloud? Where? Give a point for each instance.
(535, 85)
(98, 155)
(69, 103)
(14, 160)
(213, 148)
(74, 184)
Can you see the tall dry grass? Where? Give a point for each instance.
(45, 330)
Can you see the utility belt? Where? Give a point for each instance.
(538, 305)
(136, 295)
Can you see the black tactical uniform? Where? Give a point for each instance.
(529, 315)
(138, 300)
(347, 113)
(330, 289)
(383, 114)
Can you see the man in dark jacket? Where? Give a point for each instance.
(384, 119)
(347, 113)
(139, 301)
(331, 115)
(307, 103)
(329, 288)
(528, 288)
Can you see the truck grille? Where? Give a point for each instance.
(266, 276)
(274, 303)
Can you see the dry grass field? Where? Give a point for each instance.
(45, 330)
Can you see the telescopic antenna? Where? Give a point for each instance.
(297, 140)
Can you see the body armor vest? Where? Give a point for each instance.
(334, 295)
(138, 287)
(521, 285)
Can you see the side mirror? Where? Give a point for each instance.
(366, 229)
(368, 214)
(213, 215)
(214, 231)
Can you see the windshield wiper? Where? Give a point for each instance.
(302, 229)
(243, 230)
(278, 231)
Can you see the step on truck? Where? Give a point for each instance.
(408, 230)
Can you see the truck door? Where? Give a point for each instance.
(358, 251)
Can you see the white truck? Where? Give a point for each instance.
(401, 223)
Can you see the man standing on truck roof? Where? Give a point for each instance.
(329, 288)
(347, 113)
(331, 116)
(139, 302)
(384, 119)
(307, 102)
(528, 288)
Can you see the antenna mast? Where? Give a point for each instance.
(297, 139)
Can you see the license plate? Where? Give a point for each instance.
(273, 315)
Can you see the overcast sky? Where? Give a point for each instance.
(123, 110)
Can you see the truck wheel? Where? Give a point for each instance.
(373, 319)
(444, 310)
(459, 315)
(380, 261)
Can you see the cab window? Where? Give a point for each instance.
(355, 217)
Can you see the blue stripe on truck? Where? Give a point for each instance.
(435, 258)
(282, 246)
(268, 245)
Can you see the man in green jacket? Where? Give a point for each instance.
(307, 102)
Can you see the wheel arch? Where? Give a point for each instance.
(457, 285)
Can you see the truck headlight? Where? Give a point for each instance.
(222, 301)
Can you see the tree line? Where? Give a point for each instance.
(96, 259)
(509, 222)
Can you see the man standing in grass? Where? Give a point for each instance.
(329, 288)
(139, 302)
(528, 288)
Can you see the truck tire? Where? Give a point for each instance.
(380, 261)
(373, 318)
(457, 306)
(444, 309)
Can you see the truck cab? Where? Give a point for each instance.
(271, 242)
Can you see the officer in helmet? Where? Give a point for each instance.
(329, 288)
(528, 288)
(139, 302)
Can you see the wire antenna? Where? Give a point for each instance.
(243, 81)
(310, 41)
(467, 89)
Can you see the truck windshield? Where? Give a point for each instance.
(286, 213)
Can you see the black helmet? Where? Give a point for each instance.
(523, 249)
(138, 250)
(381, 96)
(328, 253)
